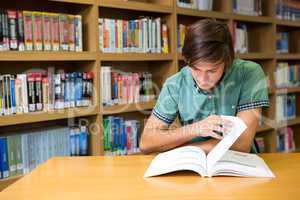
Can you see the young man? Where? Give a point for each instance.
(212, 84)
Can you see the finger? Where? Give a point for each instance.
(215, 135)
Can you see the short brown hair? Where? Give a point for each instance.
(208, 40)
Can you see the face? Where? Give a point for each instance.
(207, 74)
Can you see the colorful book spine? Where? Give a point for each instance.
(4, 165)
(28, 30)
(13, 25)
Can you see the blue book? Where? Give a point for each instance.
(4, 167)
(67, 90)
(83, 139)
(72, 142)
(78, 89)
(72, 90)
(12, 94)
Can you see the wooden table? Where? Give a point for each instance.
(119, 178)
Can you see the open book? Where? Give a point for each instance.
(220, 161)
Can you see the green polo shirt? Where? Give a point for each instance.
(243, 86)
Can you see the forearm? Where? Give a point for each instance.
(158, 140)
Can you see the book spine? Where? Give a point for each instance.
(78, 33)
(20, 31)
(31, 92)
(83, 141)
(12, 94)
(67, 90)
(38, 92)
(45, 93)
(71, 32)
(6, 31)
(12, 20)
(78, 90)
(37, 31)
(55, 36)
(46, 21)
(11, 155)
(19, 158)
(28, 30)
(4, 158)
(63, 32)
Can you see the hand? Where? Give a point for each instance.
(211, 126)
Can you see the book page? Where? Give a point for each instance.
(235, 163)
(182, 158)
(219, 150)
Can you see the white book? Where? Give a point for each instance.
(158, 37)
(219, 162)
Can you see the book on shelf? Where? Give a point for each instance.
(287, 75)
(285, 107)
(143, 35)
(39, 31)
(220, 161)
(260, 141)
(120, 136)
(120, 87)
(248, 7)
(45, 90)
(282, 42)
(181, 29)
(196, 4)
(285, 140)
(288, 10)
(23, 151)
(240, 37)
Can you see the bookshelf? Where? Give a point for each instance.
(262, 39)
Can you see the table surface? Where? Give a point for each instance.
(121, 177)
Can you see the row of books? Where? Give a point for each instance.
(44, 91)
(23, 151)
(120, 136)
(240, 37)
(288, 9)
(143, 35)
(181, 29)
(285, 107)
(248, 7)
(282, 42)
(120, 87)
(196, 4)
(285, 140)
(40, 31)
(287, 75)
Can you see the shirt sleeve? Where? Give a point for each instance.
(166, 108)
(254, 90)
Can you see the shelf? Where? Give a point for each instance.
(124, 108)
(8, 181)
(287, 23)
(287, 90)
(88, 2)
(180, 57)
(46, 56)
(288, 56)
(264, 128)
(201, 13)
(134, 5)
(47, 116)
(249, 18)
(290, 122)
(255, 56)
(135, 57)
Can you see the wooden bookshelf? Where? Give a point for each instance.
(87, 2)
(288, 56)
(264, 128)
(255, 56)
(7, 181)
(202, 13)
(124, 108)
(287, 90)
(263, 50)
(47, 56)
(135, 57)
(47, 116)
(160, 7)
